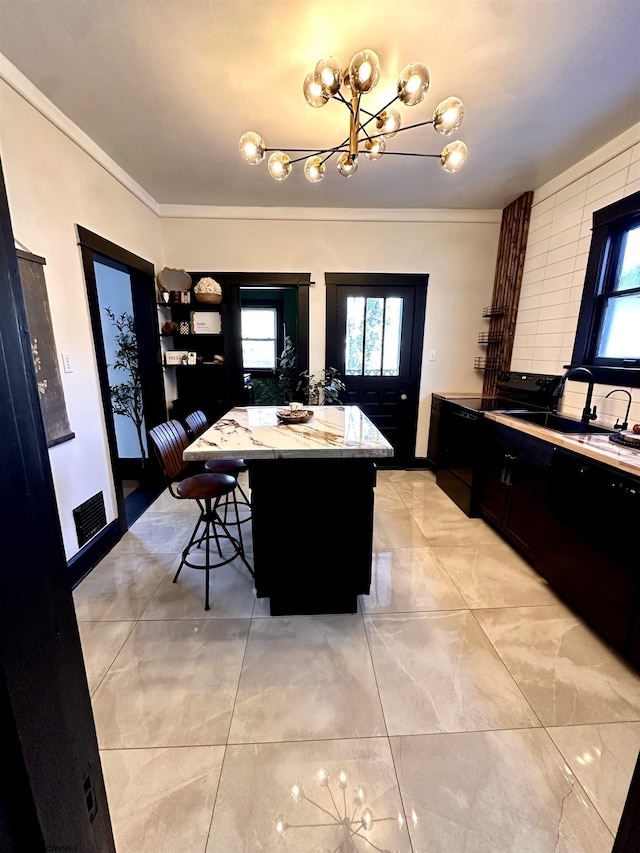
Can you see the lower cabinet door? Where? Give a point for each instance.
(580, 559)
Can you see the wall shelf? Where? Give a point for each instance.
(486, 363)
(493, 311)
(490, 337)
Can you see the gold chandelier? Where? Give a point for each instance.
(367, 135)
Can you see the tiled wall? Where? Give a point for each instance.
(554, 270)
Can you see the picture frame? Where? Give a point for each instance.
(206, 323)
(176, 356)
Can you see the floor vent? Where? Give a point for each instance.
(89, 517)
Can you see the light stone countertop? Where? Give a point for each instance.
(254, 432)
(594, 446)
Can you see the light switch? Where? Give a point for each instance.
(432, 355)
(66, 362)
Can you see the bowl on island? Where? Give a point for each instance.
(294, 416)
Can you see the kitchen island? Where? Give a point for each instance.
(312, 491)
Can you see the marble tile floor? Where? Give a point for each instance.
(476, 709)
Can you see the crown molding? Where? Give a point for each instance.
(329, 214)
(617, 145)
(16, 80)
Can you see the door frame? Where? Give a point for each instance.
(419, 282)
(231, 282)
(143, 295)
(52, 793)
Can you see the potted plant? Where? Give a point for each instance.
(325, 390)
(287, 372)
(126, 396)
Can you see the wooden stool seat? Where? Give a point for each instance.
(225, 466)
(203, 486)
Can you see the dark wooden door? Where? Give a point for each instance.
(52, 793)
(375, 328)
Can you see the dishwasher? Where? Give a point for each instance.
(459, 429)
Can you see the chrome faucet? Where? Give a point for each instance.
(625, 423)
(588, 414)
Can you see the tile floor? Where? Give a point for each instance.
(465, 697)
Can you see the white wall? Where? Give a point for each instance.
(52, 185)
(459, 254)
(555, 265)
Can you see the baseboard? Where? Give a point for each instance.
(89, 556)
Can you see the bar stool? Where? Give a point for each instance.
(196, 424)
(208, 490)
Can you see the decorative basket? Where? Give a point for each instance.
(208, 298)
(208, 291)
(294, 416)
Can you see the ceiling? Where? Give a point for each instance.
(167, 87)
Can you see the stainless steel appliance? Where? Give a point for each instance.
(459, 432)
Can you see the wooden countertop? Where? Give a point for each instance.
(594, 446)
(254, 432)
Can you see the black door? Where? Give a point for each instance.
(122, 303)
(375, 328)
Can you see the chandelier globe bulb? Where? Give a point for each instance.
(388, 122)
(375, 148)
(448, 116)
(364, 71)
(453, 156)
(314, 169)
(328, 74)
(313, 92)
(252, 147)
(347, 165)
(279, 165)
(413, 83)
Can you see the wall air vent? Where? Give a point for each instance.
(89, 517)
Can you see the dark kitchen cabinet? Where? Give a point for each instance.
(513, 484)
(592, 555)
(574, 518)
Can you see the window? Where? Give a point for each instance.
(259, 338)
(608, 335)
(373, 336)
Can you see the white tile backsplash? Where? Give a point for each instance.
(562, 238)
(557, 254)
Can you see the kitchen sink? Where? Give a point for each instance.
(559, 423)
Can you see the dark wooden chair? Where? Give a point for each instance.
(211, 493)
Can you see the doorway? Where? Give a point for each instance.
(375, 330)
(121, 293)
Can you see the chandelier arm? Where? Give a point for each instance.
(341, 98)
(404, 154)
(364, 838)
(310, 825)
(386, 106)
(333, 801)
(318, 806)
(305, 150)
(409, 127)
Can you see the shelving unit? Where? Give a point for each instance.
(493, 338)
(204, 384)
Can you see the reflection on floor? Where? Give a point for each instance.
(465, 697)
(129, 486)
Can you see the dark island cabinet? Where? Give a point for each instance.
(513, 485)
(575, 519)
